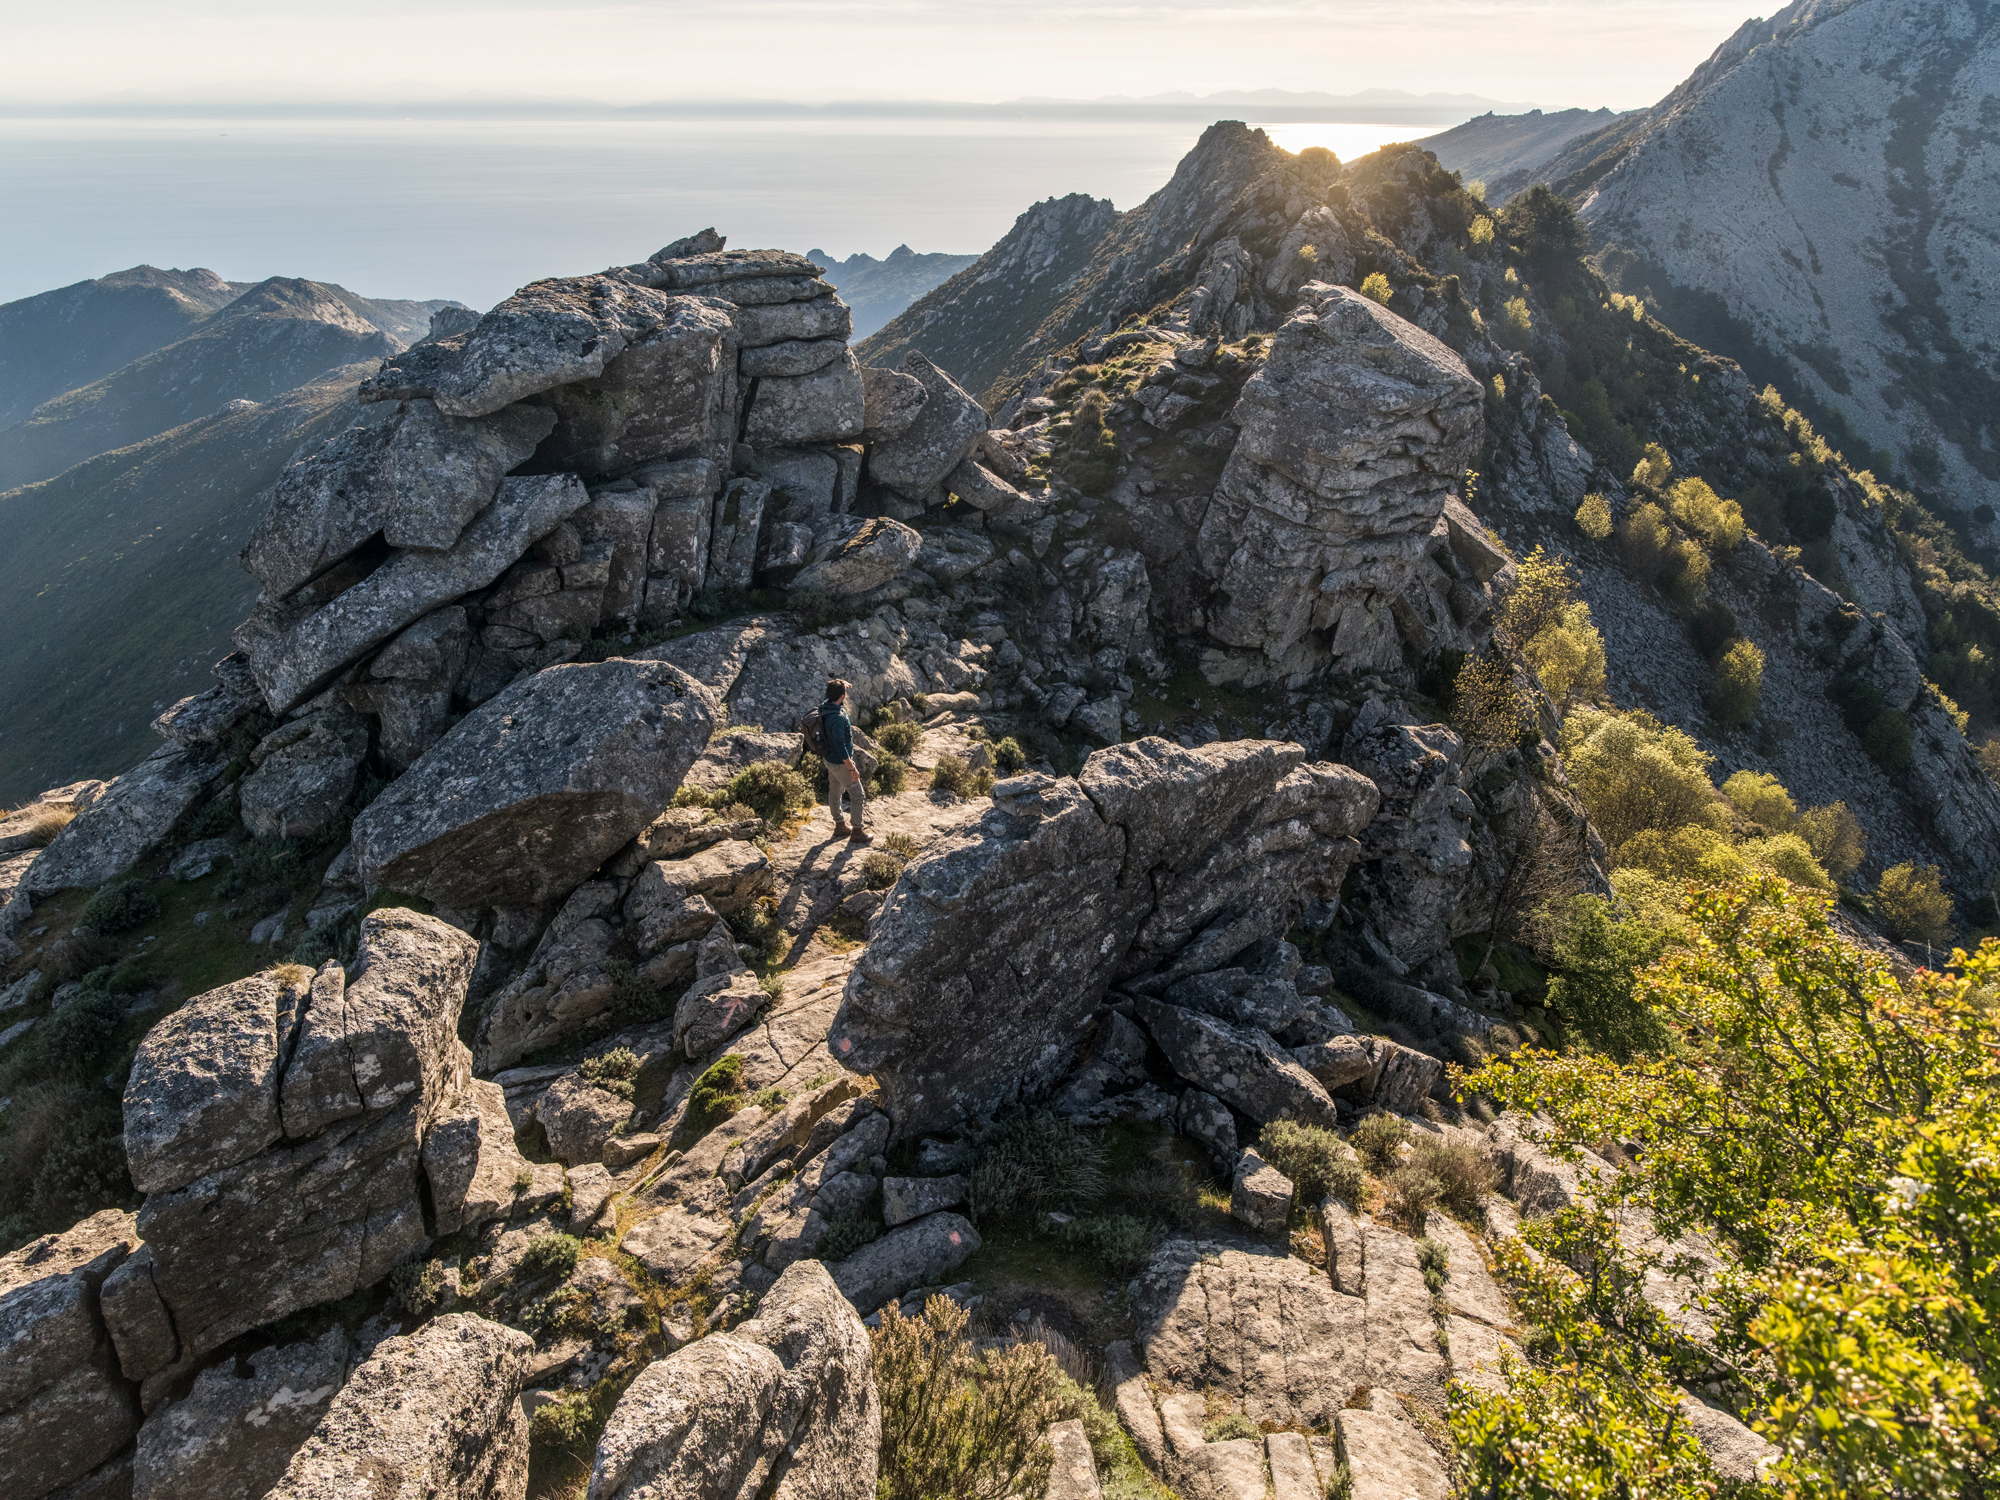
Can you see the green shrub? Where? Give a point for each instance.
(879, 869)
(903, 844)
(770, 788)
(72, 1042)
(1464, 1175)
(1914, 903)
(1434, 1262)
(1598, 952)
(1009, 757)
(1378, 1140)
(961, 780)
(1593, 517)
(1644, 537)
(848, 1230)
(899, 738)
(82, 1170)
(551, 1255)
(757, 928)
(1738, 685)
(119, 909)
(612, 1071)
(570, 1423)
(1685, 567)
(956, 1425)
(1835, 837)
(1375, 287)
(417, 1286)
(716, 1095)
(816, 608)
(1033, 1162)
(1160, 1190)
(1123, 1242)
(1634, 773)
(1087, 455)
(892, 774)
(1413, 1194)
(1229, 1425)
(1314, 1158)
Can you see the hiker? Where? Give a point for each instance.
(829, 726)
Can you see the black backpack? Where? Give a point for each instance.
(813, 732)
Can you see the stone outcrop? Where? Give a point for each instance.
(356, 1075)
(783, 1406)
(922, 1253)
(133, 814)
(64, 1408)
(434, 1415)
(302, 774)
(1157, 861)
(529, 794)
(945, 429)
(1353, 434)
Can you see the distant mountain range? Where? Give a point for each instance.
(1493, 146)
(879, 289)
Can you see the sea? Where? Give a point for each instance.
(473, 208)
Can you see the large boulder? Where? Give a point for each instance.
(1241, 1065)
(470, 1160)
(295, 649)
(877, 552)
(64, 1407)
(140, 808)
(1354, 433)
(405, 469)
(303, 774)
(537, 787)
(432, 1415)
(783, 1406)
(822, 406)
(231, 1437)
(671, 392)
(946, 428)
(336, 1202)
(1156, 862)
(922, 1253)
(550, 333)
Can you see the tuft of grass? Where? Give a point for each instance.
(716, 1095)
(848, 1231)
(879, 869)
(417, 1285)
(1379, 1142)
(902, 844)
(42, 821)
(1314, 1158)
(1229, 1425)
(1464, 1176)
(1033, 1162)
(1413, 1194)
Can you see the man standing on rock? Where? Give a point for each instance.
(836, 747)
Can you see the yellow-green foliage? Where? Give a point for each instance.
(1482, 228)
(1375, 286)
(1835, 837)
(1515, 322)
(1762, 798)
(1654, 470)
(1644, 536)
(1914, 904)
(1546, 620)
(1716, 521)
(1488, 706)
(1788, 855)
(1593, 517)
(1686, 573)
(1739, 683)
(1635, 773)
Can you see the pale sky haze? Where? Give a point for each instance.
(1622, 53)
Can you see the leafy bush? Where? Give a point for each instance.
(1544, 227)
(1762, 798)
(1413, 1194)
(1375, 287)
(570, 1423)
(612, 1071)
(716, 1095)
(1123, 1242)
(1643, 538)
(1593, 517)
(1713, 627)
(119, 909)
(757, 928)
(1654, 470)
(1009, 757)
(417, 1286)
(1835, 837)
(1738, 685)
(771, 788)
(1232, 1424)
(1378, 1140)
(72, 1042)
(1788, 855)
(961, 780)
(891, 776)
(899, 739)
(903, 844)
(1716, 521)
(1914, 903)
(1314, 1158)
(1516, 323)
(1685, 569)
(1568, 656)
(1634, 773)
(1481, 230)
(954, 1426)
(553, 1254)
(1598, 950)
(879, 869)
(1033, 1162)
(1488, 706)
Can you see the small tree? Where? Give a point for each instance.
(1375, 286)
(1762, 798)
(1835, 837)
(1516, 323)
(1593, 517)
(1654, 470)
(1739, 683)
(1488, 706)
(1644, 536)
(1914, 904)
(1716, 521)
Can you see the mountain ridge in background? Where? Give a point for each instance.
(1493, 145)
(877, 290)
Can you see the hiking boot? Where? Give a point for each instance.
(860, 836)
(839, 827)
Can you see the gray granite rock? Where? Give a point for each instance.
(199, 720)
(410, 683)
(785, 1403)
(948, 427)
(793, 357)
(537, 787)
(824, 406)
(231, 1438)
(724, 878)
(736, 522)
(1158, 861)
(296, 650)
(433, 1415)
(891, 401)
(982, 489)
(923, 1253)
(203, 1090)
(672, 1244)
(303, 773)
(785, 322)
(138, 810)
(579, 1118)
(1390, 1458)
(405, 469)
(141, 1332)
(907, 1198)
(878, 552)
(470, 1160)
(1241, 1065)
(1260, 1195)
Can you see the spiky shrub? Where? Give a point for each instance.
(879, 870)
(1379, 1141)
(612, 1071)
(1033, 1162)
(903, 844)
(899, 738)
(1375, 287)
(716, 1095)
(551, 1255)
(848, 1231)
(119, 909)
(773, 789)
(961, 780)
(1464, 1175)
(417, 1286)
(1009, 756)
(892, 774)
(1314, 1158)
(1413, 1193)
(954, 1425)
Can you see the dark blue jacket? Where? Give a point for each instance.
(836, 732)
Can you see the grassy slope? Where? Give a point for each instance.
(119, 583)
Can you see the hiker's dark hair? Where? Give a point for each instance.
(836, 689)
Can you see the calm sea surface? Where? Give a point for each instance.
(472, 209)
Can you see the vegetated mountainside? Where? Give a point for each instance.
(273, 337)
(1579, 380)
(57, 341)
(879, 289)
(119, 582)
(1489, 146)
(1820, 201)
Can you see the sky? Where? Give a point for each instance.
(1621, 53)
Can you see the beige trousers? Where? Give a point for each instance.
(838, 780)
